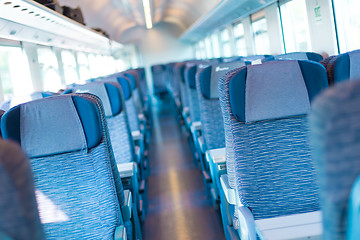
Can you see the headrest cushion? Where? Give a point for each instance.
(275, 90)
(125, 87)
(209, 85)
(190, 73)
(54, 125)
(132, 80)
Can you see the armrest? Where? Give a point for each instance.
(217, 155)
(120, 233)
(138, 153)
(202, 144)
(126, 169)
(304, 225)
(186, 111)
(136, 135)
(246, 223)
(126, 207)
(196, 126)
(141, 117)
(228, 191)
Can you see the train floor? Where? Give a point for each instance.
(179, 208)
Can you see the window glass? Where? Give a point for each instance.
(49, 69)
(209, 52)
(240, 43)
(225, 41)
(348, 24)
(261, 36)
(295, 26)
(94, 67)
(83, 63)
(15, 77)
(70, 67)
(215, 45)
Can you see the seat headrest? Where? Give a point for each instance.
(190, 73)
(300, 56)
(231, 59)
(125, 87)
(275, 90)
(108, 92)
(132, 80)
(209, 80)
(54, 125)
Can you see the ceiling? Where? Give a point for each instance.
(119, 18)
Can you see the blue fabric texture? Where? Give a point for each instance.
(225, 108)
(19, 217)
(212, 123)
(183, 90)
(262, 84)
(132, 114)
(274, 170)
(83, 187)
(114, 93)
(336, 141)
(125, 86)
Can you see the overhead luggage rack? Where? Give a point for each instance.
(27, 20)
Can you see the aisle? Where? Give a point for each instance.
(178, 206)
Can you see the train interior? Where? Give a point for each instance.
(164, 119)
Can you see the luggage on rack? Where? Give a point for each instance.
(74, 14)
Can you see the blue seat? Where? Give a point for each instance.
(122, 143)
(26, 98)
(19, 218)
(179, 73)
(265, 111)
(343, 67)
(335, 140)
(80, 190)
(159, 80)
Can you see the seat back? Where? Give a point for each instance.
(343, 67)
(159, 78)
(130, 104)
(335, 139)
(110, 93)
(79, 187)
(190, 84)
(212, 122)
(19, 218)
(132, 76)
(180, 69)
(267, 108)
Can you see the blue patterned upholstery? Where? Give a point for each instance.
(189, 74)
(335, 138)
(19, 218)
(212, 122)
(275, 174)
(80, 192)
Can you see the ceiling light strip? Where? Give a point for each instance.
(147, 13)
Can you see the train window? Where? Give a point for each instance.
(83, 64)
(239, 37)
(215, 45)
(201, 49)
(70, 67)
(348, 24)
(94, 67)
(49, 69)
(209, 52)
(14, 73)
(295, 26)
(225, 42)
(261, 36)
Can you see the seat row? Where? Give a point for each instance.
(247, 122)
(88, 153)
